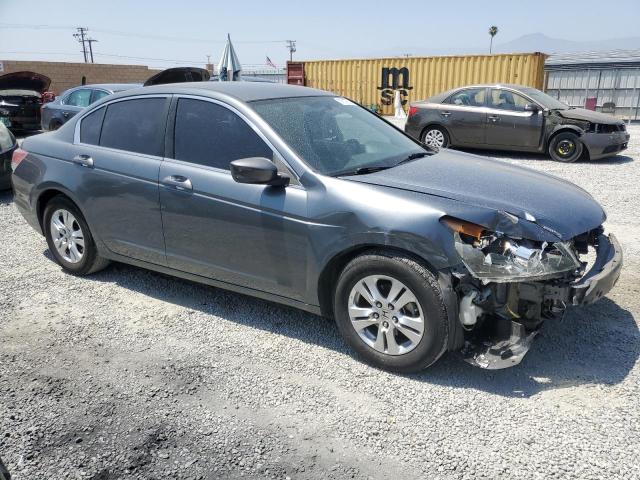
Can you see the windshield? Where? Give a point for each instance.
(543, 99)
(334, 135)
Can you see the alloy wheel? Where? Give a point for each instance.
(386, 314)
(565, 148)
(434, 138)
(67, 236)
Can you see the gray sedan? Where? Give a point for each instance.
(304, 198)
(513, 117)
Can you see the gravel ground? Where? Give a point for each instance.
(132, 374)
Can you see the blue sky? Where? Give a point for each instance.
(188, 30)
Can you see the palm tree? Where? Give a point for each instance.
(493, 31)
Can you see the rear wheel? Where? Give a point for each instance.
(389, 308)
(565, 147)
(69, 238)
(435, 137)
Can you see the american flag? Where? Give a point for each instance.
(270, 63)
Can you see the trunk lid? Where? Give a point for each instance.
(31, 81)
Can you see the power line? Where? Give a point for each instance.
(132, 34)
(35, 27)
(113, 55)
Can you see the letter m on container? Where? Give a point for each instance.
(394, 79)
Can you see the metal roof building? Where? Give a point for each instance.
(604, 81)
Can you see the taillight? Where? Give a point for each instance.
(413, 111)
(18, 156)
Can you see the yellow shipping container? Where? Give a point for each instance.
(374, 81)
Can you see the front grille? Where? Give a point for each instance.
(604, 128)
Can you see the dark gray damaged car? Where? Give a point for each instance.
(513, 117)
(304, 198)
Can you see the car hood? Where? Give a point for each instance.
(32, 81)
(588, 115)
(556, 205)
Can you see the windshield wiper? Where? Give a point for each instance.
(377, 168)
(362, 170)
(371, 169)
(412, 157)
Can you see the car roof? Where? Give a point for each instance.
(243, 91)
(114, 87)
(439, 97)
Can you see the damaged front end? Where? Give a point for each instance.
(509, 285)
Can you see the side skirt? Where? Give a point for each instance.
(315, 309)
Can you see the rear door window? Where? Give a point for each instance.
(470, 97)
(98, 94)
(212, 135)
(90, 127)
(136, 126)
(79, 98)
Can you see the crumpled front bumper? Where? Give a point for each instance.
(602, 145)
(602, 276)
(515, 340)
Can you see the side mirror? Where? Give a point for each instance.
(257, 170)
(531, 107)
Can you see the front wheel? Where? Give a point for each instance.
(565, 147)
(389, 308)
(435, 137)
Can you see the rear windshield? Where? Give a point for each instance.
(19, 93)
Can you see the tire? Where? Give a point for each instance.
(381, 340)
(565, 147)
(4, 473)
(435, 137)
(76, 251)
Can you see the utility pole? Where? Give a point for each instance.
(80, 36)
(291, 45)
(90, 41)
(209, 66)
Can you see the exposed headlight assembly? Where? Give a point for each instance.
(495, 257)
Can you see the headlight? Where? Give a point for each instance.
(495, 257)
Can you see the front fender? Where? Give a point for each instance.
(563, 127)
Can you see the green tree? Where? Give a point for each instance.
(493, 31)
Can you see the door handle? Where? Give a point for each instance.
(493, 118)
(83, 160)
(178, 182)
(445, 114)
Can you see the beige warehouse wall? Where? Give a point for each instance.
(65, 75)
